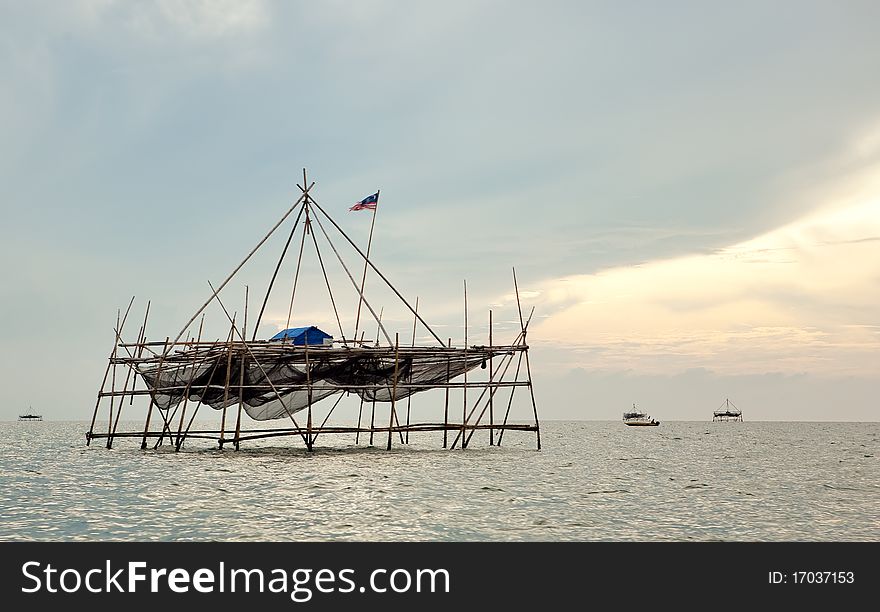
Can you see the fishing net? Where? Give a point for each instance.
(276, 386)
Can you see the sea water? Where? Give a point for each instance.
(592, 480)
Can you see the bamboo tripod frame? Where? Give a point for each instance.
(170, 424)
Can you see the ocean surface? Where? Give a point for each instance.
(593, 480)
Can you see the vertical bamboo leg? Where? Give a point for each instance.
(409, 396)
(235, 439)
(188, 390)
(309, 439)
(492, 394)
(446, 406)
(394, 389)
(241, 375)
(113, 382)
(226, 384)
(357, 434)
(100, 392)
(116, 340)
(152, 397)
(528, 369)
(372, 421)
(464, 389)
(509, 401)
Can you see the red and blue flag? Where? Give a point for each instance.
(368, 203)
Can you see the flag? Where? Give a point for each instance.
(368, 203)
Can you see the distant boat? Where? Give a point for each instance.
(727, 412)
(30, 417)
(639, 419)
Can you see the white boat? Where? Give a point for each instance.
(637, 418)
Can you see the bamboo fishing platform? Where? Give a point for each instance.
(252, 383)
(726, 413)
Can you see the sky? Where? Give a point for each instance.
(690, 193)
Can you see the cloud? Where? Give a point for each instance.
(801, 298)
(196, 19)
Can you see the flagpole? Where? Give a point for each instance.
(366, 260)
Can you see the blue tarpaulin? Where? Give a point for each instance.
(299, 336)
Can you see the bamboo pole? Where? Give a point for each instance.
(122, 400)
(373, 408)
(528, 368)
(131, 370)
(510, 401)
(237, 268)
(260, 366)
(188, 388)
(226, 385)
(182, 439)
(394, 391)
(372, 421)
(409, 397)
(357, 320)
(446, 407)
(320, 428)
(376, 270)
(302, 244)
(308, 394)
(360, 413)
(329, 290)
(353, 282)
(492, 390)
(113, 381)
(491, 395)
(486, 387)
(153, 398)
(116, 341)
(275, 273)
(241, 374)
(464, 389)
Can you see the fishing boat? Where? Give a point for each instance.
(639, 419)
(30, 416)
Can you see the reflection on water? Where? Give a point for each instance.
(592, 481)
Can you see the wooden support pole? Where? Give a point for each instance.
(309, 440)
(510, 401)
(259, 366)
(275, 274)
(152, 396)
(491, 395)
(376, 270)
(394, 390)
(464, 389)
(446, 405)
(113, 382)
(182, 439)
(409, 397)
(528, 368)
(116, 340)
(372, 421)
(226, 385)
(131, 370)
(357, 434)
(188, 389)
(243, 369)
(234, 272)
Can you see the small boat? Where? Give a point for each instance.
(30, 416)
(639, 419)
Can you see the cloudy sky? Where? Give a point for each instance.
(690, 192)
